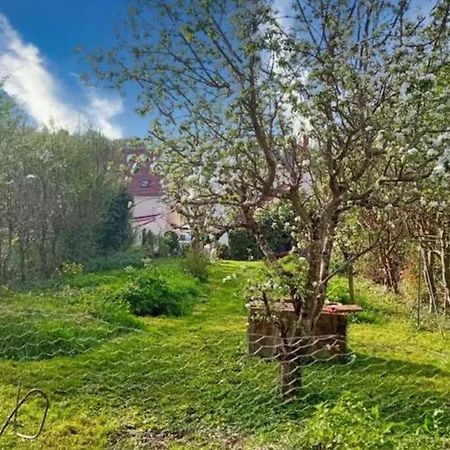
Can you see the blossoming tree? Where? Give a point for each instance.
(325, 105)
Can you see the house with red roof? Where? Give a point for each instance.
(149, 211)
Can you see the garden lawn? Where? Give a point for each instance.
(118, 381)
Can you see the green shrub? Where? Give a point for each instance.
(197, 264)
(243, 245)
(350, 424)
(173, 242)
(151, 294)
(163, 246)
(184, 249)
(272, 223)
(115, 232)
(149, 243)
(106, 302)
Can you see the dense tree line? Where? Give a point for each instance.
(61, 198)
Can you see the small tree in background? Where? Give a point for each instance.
(115, 232)
(149, 242)
(173, 242)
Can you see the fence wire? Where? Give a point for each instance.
(227, 381)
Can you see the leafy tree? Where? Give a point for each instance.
(326, 106)
(56, 189)
(115, 232)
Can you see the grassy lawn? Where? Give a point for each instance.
(116, 381)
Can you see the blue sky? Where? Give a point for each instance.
(37, 55)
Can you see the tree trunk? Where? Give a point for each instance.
(43, 253)
(428, 260)
(291, 368)
(445, 264)
(22, 260)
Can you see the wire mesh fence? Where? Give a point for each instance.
(220, 380)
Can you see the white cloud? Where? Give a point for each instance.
(27, 78)
(103, 110)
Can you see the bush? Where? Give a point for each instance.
(148, 243)
(197, 264)
(351, 424)
(106, 303)
(173, 242)
(272, 223)
(160, 245)
(151, 294)
(163, 246)
(243, 245)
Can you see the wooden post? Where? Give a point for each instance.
(351, 284)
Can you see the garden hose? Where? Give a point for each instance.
(19, 404)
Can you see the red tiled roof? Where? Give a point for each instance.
(143, 183)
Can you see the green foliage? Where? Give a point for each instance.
(149, 243)
(163, 246)
(197, 263)
(151, 294)
(273, 222)
(132, 257)
(180, 385)
(107, 303)
(337, 291)
(242, 245)
(115, 231)
(351, 425)
(173, 242)
(71, 268)
(60, 200)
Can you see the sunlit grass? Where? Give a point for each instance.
(187, 381)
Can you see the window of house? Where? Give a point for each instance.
(145, 183)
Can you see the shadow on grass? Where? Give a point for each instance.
(403, 391)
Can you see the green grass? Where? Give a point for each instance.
(116, 381)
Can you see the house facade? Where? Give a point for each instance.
(149, 211)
